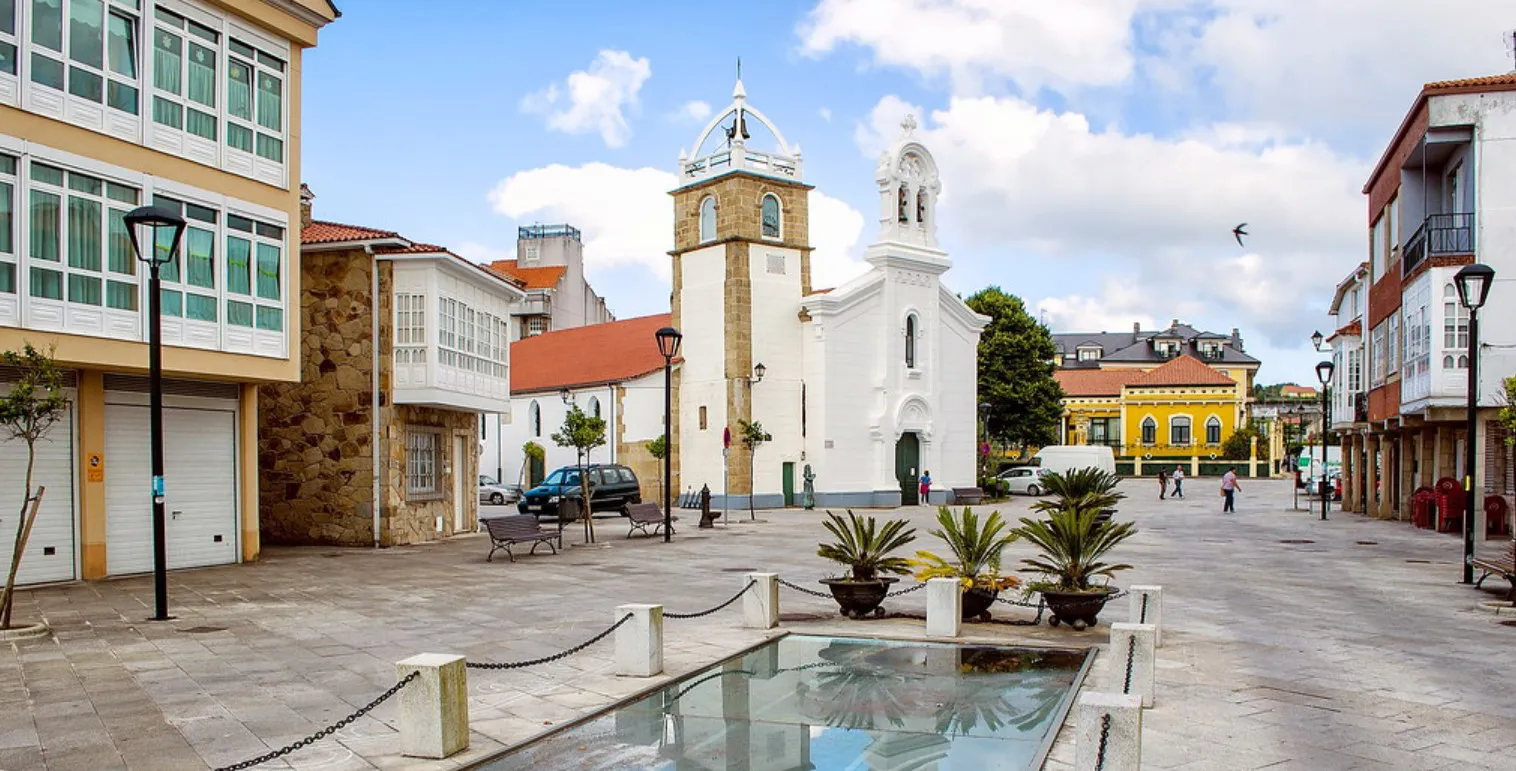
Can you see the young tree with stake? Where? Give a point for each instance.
(32, 406)
(583, 433)
(753, 437)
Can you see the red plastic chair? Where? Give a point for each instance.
(1449, 505)
(1497, 516)
(1421, 507)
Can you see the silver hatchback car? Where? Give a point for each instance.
(497, 494)
(1026, 480)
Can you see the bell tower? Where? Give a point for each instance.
(741, 264)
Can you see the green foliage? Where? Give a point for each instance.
(864, 547)
(657, 448)
(1016, 371)
(534, 451)
(580, 431)
(1072, 545)
(975, 548)
(34, 404)
(1083, 489)
(1239, 446)
(753, 435)
(1507, 416)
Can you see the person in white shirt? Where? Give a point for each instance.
(1178, 477)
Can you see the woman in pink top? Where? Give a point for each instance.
(1229, 488)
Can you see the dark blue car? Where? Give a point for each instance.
(612, 488)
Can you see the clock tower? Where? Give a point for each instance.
(741, 265)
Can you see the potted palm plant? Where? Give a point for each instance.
(865, 548)
(1073, 541)
(975, 562)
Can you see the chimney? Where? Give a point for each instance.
(1174, 324)
(306, 196)
(1236, 338)
(1136, 327)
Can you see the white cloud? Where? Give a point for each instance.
(594, 100)
(1115, 309)
(825, 113)
(694, 111)
(835, 231)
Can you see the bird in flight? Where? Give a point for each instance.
(1238, 233)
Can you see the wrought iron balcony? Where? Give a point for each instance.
(1440, 234)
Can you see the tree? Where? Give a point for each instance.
(1239, 446)
(531, 452)
(658, 449)
(753, 437)
(1016, 355)
(34, 403)
(583, 433)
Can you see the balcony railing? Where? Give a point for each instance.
(1440, 234)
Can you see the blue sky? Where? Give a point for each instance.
(1095, 153)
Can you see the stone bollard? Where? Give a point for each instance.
(639, 642)
(760, 605)
(944, 607)
(1133, 660)
(1108, 735)
(434, 706)
(1147, 608)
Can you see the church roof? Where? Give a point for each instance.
(597, 354)
(1183, 371)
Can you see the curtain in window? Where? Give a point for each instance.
(121, 259)
(86, 32)
(239, 314)
(46, 226)
(84, 242)
(202, 75)
(270, 105)
(163, 241)
(200, 251)
(47, 24)
(122, 45)
(7, 243)
(8, 16)
(268, 272)
(168, 55)
(239, 253)
(239, 90)
(120, 295)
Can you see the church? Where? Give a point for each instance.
(860, 387)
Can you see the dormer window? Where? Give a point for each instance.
(1210, 350)
(707, 219)
(1166, 349)
(773, 225)
(1089, 353)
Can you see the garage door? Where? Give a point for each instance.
(50, 551)
(200, 485)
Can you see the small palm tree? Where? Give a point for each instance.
(865, 547)
(975, 548)
(1085, 489)
(1073, 543)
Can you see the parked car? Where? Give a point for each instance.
(1066, 458)
(493, 492)
(612, 488)
(1026, 480)
(1313, 489)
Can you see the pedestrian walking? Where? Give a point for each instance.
(1178, 477)
(1229, 488)
(926, 486)
(1163, 483)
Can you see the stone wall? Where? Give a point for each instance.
(413, 519)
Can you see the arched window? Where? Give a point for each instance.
(1179, 431)
(1213, 430)
(1149, 430)
(534, 417)
(910, 341)
(904, 204)
(921, 206)
(594, 407)
(707, 219)
(773, 226)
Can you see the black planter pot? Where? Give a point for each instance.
(1078, 609)
(859, 598)
(977, 602)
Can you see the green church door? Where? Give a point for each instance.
(907, 469)
(789, 484)
(535, 472)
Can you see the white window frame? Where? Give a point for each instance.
(1087, 353)
(1376, 356)
(423, 463)
(1188, 425)
(1455, 330)
(410, 328)
(1147, 423)
(1392, 346)
(1213, 422)
(10, 199)
(1355, 370)
(67, 272)
(706, 215)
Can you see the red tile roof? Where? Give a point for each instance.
(1183, 371)
(319, 232)
(1095, 382)
(1507, 79)
(827, 290)
(1505, 82)
(1297, 390)
(612, 352)
(1353, 329)
(531, 278)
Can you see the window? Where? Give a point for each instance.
(1355, 370)
(184, 74)
(1105, 431)
(1089, 354)
(531, 253)
(1392, 346)
(707, 219)
(1149, 431)
(1455, 330)
(910, 341)
(772, 223)
(1377, 356)
(1179, 431)
(702, 417)
(80, 250)
(7, 223)
(536, 325)
(594, 407)
(254, 101)
(471, 339)
(1376, 254)
(410, 328)
(534, 417)
(93, 56)
(421, 450)
(189, 280)
(1213, 430)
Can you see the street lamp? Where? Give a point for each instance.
(1316, 340)
(668, 346)
(1473, 283)
(758, 372)
(1324, 374)
(160, 230)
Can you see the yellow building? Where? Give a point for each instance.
(192, 105)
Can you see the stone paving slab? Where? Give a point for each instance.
(1357, 650)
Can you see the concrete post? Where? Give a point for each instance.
(1133, 658)
(1371, 475)
(434, 706)
(639, 642)
(1147, 608)
(944, 607)
(760, 606)
(1108, 734)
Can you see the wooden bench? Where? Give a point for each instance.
(967, 496)
(645, 515)
(1503, 565)
(519, 528)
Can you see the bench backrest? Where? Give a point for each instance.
(513, 526)
(644, 511)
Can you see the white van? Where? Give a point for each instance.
(1066, 458)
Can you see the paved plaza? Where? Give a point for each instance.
(1289, 643)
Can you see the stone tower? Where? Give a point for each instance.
(741, 264)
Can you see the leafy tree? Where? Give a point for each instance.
(583, 433)
(1507, 417)
(1239, 446)
(1016, 356)
(33, 405)
(753, 437)
(658, 449)
(532, 452)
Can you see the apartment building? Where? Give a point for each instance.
(106, 105)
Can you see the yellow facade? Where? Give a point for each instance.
(1201, 405)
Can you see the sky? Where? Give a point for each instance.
(1095, 154)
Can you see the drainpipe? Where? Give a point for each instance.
(612, 425)
(374, 386)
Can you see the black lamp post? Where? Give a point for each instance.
(1324, 374)
(1473, 283)
(141, 222)
(668, 346)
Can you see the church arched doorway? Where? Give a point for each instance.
(908, 468)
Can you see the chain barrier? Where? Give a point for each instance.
(1105, 736)
(733, 599)
(1131, 659)
(803, 590)
(552, 658)
(1142, 618)
(915, 588)
(325, 732)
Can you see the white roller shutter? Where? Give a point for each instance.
(50, 550)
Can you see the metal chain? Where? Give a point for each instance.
(1131, 659)
(1105, 736)
(325, 732)
(804, 590)
(1142, 617)
(552, 658)
(917, 587)
(733, 599)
